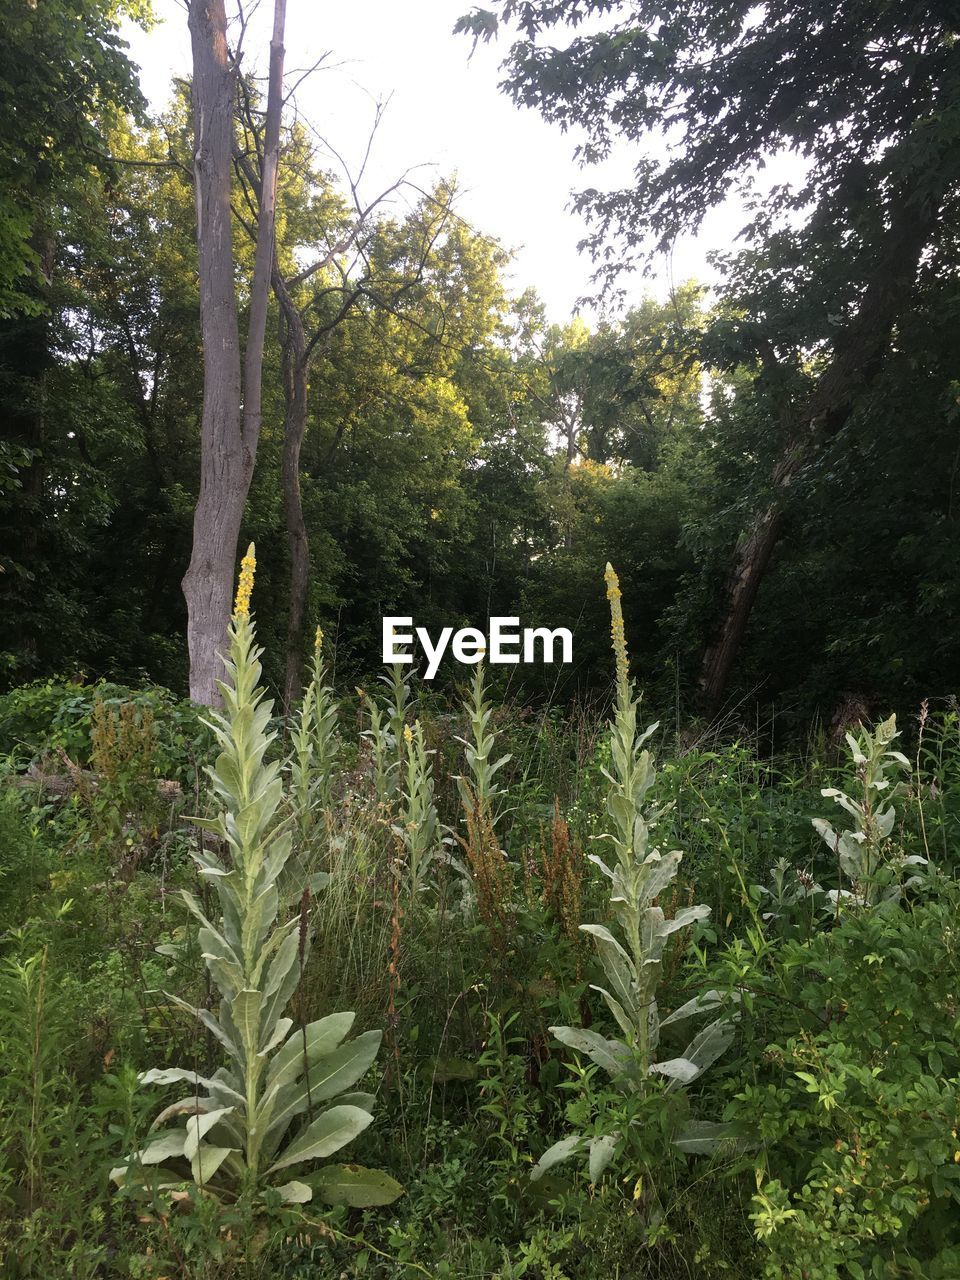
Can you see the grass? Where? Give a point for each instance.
(472, 1086)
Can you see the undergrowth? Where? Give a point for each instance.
(441, 866)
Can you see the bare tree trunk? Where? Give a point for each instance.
(856, 357)
(295, 367)
(299, 348)
(230, 424)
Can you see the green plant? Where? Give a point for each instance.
(418, 823)
(856, 1101)
(506, 1106)
(633, 963)
(123, 757)
(397, 707)
(54, 714)
(234, 1132)
(30, 1039)
(316, 748)
(481, 799)
(479, 789)
(866, 853)
(386, 763)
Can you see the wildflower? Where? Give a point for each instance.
(318, 641)
(248, 566)
(617, 631)
(407, 734)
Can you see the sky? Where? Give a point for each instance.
(445, 113)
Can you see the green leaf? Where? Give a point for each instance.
(559, 1152)
(356, 1186)
(626, 1025)
(601, 1153)
(198, 1126)
(245, 1011)
(613, 1056)
(207, 1161)
(330, 1131)
(327, 1077)
(680, 1070)
(295, 1193)
(322, 1037)
(165, 1148)
(700, 1137)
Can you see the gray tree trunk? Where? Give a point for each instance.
(296, 361)
(230, 423)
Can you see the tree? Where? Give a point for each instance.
(64, 82)
(63, 78)
(866, 94)
(232, 412)
(341, 275)
(389, 431)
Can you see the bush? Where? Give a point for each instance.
(40, 718)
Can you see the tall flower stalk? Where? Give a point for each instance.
(482, 799)
(232, 1130)
(478, 787)
(632, 957)
(316, 747)
(418, 823)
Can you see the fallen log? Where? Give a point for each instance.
(56, 782)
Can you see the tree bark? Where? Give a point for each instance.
(230, 424)
(295, 370)
(857, 354)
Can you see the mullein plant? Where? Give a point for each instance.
(316, 746)
(479, 788)
(397, 711)
(482, 799)
(867, 852)
(232, 1132)
(418, 823)
(631, 949)
(383, 754)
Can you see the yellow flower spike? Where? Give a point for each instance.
(407, 734)
(617, 631)
(248, 565)
(318, 642)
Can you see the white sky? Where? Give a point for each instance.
(446, 111)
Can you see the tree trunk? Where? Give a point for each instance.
(857, 355)
(296, 362)
(230, 424)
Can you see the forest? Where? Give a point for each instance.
(637, 957)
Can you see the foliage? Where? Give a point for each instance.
(420, 860)
(856, 1101)
(316, 746)
(633, 963)
(419, 825)
(865, 855)
(846, 1027)
(40, 719)
(235, 1133)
